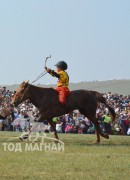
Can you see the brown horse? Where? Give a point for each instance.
(46, 100)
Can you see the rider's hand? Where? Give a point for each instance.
(47, 69)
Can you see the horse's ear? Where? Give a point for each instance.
(27, 82)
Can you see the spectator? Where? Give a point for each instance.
(128, 131)
(106, 123)
(59, 127)
(68, 128)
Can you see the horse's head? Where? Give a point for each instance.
(21, 94)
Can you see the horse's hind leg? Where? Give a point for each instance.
(96, 124)
(92, 117)
(98, 130)
(98, 137)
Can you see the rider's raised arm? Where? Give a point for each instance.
(53, 73)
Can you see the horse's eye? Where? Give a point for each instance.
(22, 91)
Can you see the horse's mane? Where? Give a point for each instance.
(50, 89)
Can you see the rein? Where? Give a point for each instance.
(40, 76)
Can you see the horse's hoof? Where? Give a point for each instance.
(21, 138)
(96, 142)
(24, 138)
(106, 136)
(56, 141)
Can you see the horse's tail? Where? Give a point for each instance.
(101, 99)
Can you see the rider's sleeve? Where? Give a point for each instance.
(53, 73)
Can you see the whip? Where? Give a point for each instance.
(44, 72)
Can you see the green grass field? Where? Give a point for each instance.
(81, 159)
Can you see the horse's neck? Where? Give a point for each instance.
(35, 94)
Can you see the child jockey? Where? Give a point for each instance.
(63, 80)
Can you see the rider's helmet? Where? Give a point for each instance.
(62, 64)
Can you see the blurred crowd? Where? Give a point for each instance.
(23, 117)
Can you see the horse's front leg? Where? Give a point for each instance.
(34, 127)
(98, 137)
(54, 128)
(26, 136)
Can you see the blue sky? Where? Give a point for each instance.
(92, 36)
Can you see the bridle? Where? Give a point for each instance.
(23, 91)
